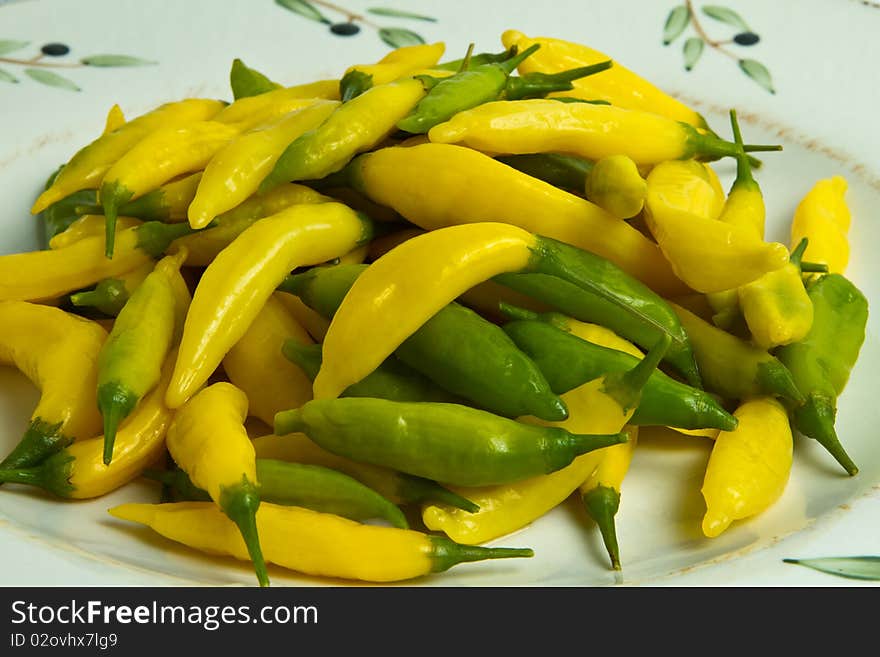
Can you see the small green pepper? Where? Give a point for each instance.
(568, 362)
(821, 362)
(456, 348)
(246, 81)
(455, 444)
(296, 484)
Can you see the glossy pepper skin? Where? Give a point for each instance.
(397, 64)
(398, 487)
(49, 274)
(619, 86)
(204, 245)
(600, 405)
(208, 441)
(821, 362)
(356, 126)
(313, 543)
(88, 225)
(159, 157)
(78, 470)
(734, 368)
(255, 366)
(569, 361)
(616, 185)
(542, 125)
(467, 88)
(438, 185)
(456, 348)
(130, 362)
(451, 443)
(235, 172)
(749, 467)
(296, 484)
(710, 256)
(87, 167)
(824, 218)
(58, 352)
(238, 281)
(588, 307)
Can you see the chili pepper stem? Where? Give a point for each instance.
(510, 64)
(602, 504)
(40, 441)
(447, 553)
(51, 475)
(112, 196)
(466, 61)
(418, 489)
(821, 414)
(115, 404)
(626, 388)
(240, 504)
(813, 268)
(743, 167)
(798, 253)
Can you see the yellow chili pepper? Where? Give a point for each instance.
(208, 441)
(615, 184)
(255, 365)
(544, 125)
(58, 352)
(204, 245)
(88, 225)
(245, 109)
(313, 543)
(238, 281)
(600, 493)
(87, 167)
(38, 275)
(824, 218)
(689, 186)
(749, 467)
(618, 85)
(115, 120)
(78, 471)
(236, 171)
(599, 406)
(398, 63)
(437, 185)
(156, 159)
(710, 256)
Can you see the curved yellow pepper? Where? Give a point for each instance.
(445, 262)
(255, 365)
(618, 85)
(87, 167)
(749, 467)
(238, 281)
(208, 441)
(401, 62)
(824, 218)
(58, 352)
(710, 256)
(243, 110)
(88, 225)
(437, 185)
(236, 171)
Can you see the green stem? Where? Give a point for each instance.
(240, 503)
(447, 553)
(41, 440)
(109, 296)
(418, 489)
(626, 388)
(509, 65)
(602, 504)
(815, 419)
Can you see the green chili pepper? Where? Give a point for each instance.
(58, 216)
(538, 85)
(466, 89)
(246, 81)
(296, 484)
(568, 362)
(654, 313)
(397, 487)
(564, 171)
(821, 363)
(130, 362)
(457, 349)
(734, 368)
(391, 380)
(455, 444)
(109, 296)
(478, 60)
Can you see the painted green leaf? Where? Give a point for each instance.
(693, 48)
(676, 22)
(51, 79)
(6, 76)
(850, 567)
(758, 72)
(9, 45)
(725, 15)
(397, 37)
(398, 13)
(115, 60)
(304, 8)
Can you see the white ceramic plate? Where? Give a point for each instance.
(821, 58)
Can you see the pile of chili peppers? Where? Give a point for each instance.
(447, 294)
